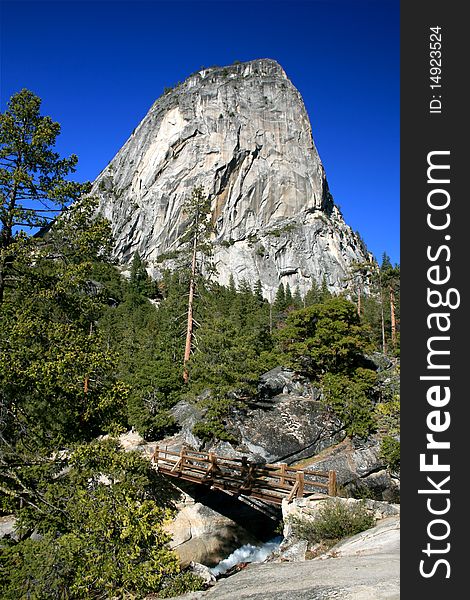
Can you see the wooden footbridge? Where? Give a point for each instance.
(241, 477)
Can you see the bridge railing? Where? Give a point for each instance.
(271, 482)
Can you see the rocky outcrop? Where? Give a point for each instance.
(202, 535)
(307, 509)
(383, 539)
(291, 428)
(359, 468)
(8, 527)
(209, 525)
(285, 423)
(365, 568)
(243, 134)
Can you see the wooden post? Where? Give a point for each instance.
(300, 480)
(332, 483)
(244, 464)
(155, 455)
(212, 462)
(282, 468)
(178, 466)
(293, 491)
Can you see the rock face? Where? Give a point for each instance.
(307, 509)
(285, 423)
(203, 535)
(374, 575)
(359, 469)
(243, 134)
(210, 525)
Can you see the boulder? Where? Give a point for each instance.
(7, 527)
(282, 380)
(203, 572)
(204, 535)
(292, 428)
(359, 469)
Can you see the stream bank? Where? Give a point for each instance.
(364, 567)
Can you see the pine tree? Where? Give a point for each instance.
(280, 299)
(140, 281)
(297, 299)
(325, 292)
(231, 285)
(288, 296)
(258, 291)
(33, 184)
(196, 242)
(390, 278)
(313, 296)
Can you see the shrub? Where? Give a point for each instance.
(334, 521)
(212, 426)
(349, 397)
(103, 535)
(390, 452)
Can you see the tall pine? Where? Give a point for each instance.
(33, 184)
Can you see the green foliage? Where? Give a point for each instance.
(212, 426)
(382, 304)
(33, 177)
(82, 353)
(335, 520)
(168, 256)
(350, 398)
(147, 343)
(390, 452)
(233, 349)
(57, 380)
(140, 282)
(321, 338)
(387, 416)
(198, 229)
(103, 532)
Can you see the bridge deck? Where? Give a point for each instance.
(239, 476)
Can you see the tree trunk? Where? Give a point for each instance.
(190, 322)
(7, 233)
(393, 322)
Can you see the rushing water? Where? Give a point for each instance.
(247, 553)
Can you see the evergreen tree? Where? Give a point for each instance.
(101, 524)
(33, 184)
(322, 338)
(313, 296)
(140, 281)
(258, 291)
(297, 300)
(57, 380)
(231, 285)
(280, 299)
(390, 278)
(198, 250)
(325, 292)
(289, 301)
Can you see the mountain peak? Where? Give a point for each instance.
(242, 133)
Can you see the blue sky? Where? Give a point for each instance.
(99, 65)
